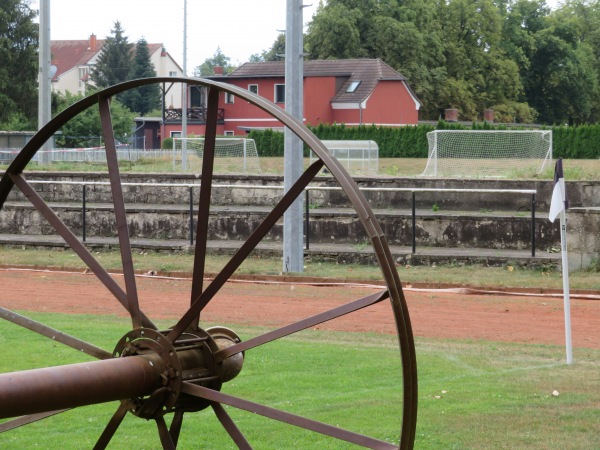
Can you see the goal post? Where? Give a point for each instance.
(487, 153)
(232, 155)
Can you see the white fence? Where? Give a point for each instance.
(91, 154)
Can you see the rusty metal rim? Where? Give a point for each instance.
(359, 202)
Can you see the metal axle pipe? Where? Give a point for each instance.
(70, 386)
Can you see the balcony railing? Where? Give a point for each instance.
(195, 115)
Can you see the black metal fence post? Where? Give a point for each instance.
(414, 224)
(191, 215)
(83, 212)
(306, 219)
(533, 225)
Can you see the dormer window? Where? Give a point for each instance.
(353, 87)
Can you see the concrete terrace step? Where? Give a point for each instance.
(487, 229)
(362, 254)
(214, 209)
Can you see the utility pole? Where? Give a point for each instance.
(184, 92)
(293, 248)
(44, 79)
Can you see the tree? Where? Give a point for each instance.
(145, 98)
(334, 33)
(561, 82)
(273, 54)
(207, 68)
(114, 63)
(18, 63)
(85, 129)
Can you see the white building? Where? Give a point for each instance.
(75, 59)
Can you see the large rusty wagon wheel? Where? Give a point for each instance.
(184, 368)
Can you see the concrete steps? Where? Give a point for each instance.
(462, 237)
(450, 229)
(338, 253)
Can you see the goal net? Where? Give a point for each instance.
(489, 153)
(232, 155)
(359, 158)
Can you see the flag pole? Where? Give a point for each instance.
(566, 293)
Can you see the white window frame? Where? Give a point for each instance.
(173, 73)
(176, 134)
(255, 86)
(353, 86)
(229, 133)
(275, 99)
(229, 98)
(83, 71)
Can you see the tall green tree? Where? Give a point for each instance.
(561, 83)
(586, 15)
(18, 63)
(274, 53)
(145, 98)
(207, 68)
(114, 63)
(85, 129)
(334, 33)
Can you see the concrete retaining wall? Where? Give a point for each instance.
(462, 220)
(581, 194)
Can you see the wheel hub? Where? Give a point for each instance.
(190, 359)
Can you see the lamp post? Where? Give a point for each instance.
(184, 92)
(293, 251)
(44, 78)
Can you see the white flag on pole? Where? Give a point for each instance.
(558, 206)
(559, 198)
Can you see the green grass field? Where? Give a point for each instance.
(472, 394)
(574, 169)
(182, 263)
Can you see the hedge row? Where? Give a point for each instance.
(406, 142)
(581, 142)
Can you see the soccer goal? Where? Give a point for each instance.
(232, 155)
(357, 157)
(487, 153)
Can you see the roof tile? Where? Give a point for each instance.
(368, 71)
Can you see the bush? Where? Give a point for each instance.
(582, 142)
(167, 143)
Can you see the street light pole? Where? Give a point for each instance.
(44, 79)
(184, 98)
(293, 251)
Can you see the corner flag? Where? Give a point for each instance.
(559, 198)
(558, 206)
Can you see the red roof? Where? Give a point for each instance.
(366, 71)
(69, 54)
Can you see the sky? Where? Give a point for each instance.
(239, 27)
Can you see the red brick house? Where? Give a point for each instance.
(350, 92)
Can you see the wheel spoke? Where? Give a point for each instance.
(25, 420)
(301, 325)
(119, 208)
(240, 256)
(175, 428)
(205, 195)
(111, 427)
(231, 427)
(74, 243)
(283, 416)
(54, 334)
(163, 432)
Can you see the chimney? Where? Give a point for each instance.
(451, 115)
(218, 71)
(93, 43)
(488, 115)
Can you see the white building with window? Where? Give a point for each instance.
(74, 60)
